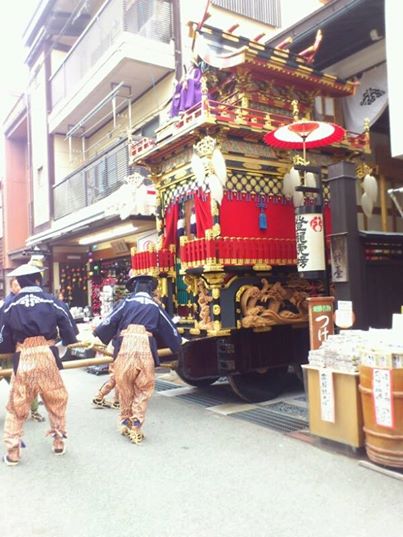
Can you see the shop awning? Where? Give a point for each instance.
(55, 232)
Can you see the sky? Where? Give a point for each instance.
(14, 73)
(12, 53)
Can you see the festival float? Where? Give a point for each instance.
(229, 260)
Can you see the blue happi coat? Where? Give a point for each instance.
(140, 308)
(32, 312)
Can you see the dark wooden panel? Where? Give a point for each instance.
(384, 292)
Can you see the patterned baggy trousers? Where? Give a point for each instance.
(134, 373)
(37, 373)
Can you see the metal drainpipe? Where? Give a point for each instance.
(176, 33)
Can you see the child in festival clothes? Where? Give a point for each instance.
(100, 400)
(31, 323)
(135, 324)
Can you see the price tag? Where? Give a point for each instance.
(382, 395)
(326, 395)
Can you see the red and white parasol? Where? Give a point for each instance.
(304, 134)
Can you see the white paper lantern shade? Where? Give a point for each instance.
(220, 168)
(370, 187)
(367, 205)
(310, 180)
(198, 168)
(295, 177)
(288, 187)
(216, 188)
(297, 198)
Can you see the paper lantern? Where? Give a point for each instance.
(370, 187)
(295, 177)
(219, 165)
(310, 180)
(216, 188)
(288, 187)
(297, 198)
(198, 168)
(367, 205)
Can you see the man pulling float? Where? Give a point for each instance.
(32, 322)
(135, 325)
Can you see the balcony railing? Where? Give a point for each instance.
(238, 251)
(92, 183)
(232, 116)
(154, 261)
(147, 18)
(235, 251)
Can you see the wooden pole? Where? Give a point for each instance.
(86, 362)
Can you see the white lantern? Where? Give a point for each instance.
(216, 188)
(295, 177)
(309, 233)
(198, 168)
(297, 198)
(310, 180)
(367, 205)
(220, 168)
(370, 187)
(288, 188)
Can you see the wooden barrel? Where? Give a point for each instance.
(384, 445)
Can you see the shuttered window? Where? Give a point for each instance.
(267, 11)
(93, 182)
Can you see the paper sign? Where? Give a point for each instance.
(326, 395)
(382, 396)
(344, 316)
(320, 320)
(310, 242)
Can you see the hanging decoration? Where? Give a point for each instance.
(198, 168)
(219, 165)
(370, 186)
(73, 284)
(370, 194)
(302, 134)
(208, 161)
(309, 231)
(288, 188)
(262, 204)
(367, 205)
(105, 273)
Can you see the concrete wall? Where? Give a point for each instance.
(66, 163)
(15, 197)
(39, 144)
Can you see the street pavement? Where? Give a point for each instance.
(198, 474)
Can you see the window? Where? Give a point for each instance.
(112, 169)
(100, 177)
(267, 11)
(90, 182)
